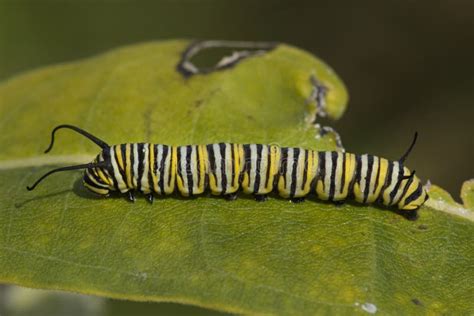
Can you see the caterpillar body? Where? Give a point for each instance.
(226, 169)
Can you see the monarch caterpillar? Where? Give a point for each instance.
(256, 169)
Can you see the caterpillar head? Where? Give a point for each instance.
(97, 177)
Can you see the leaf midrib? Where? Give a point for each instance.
(45, 160)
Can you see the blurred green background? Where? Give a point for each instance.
(408, 65)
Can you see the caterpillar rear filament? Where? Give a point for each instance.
(226, 169)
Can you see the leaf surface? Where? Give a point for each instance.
(242, 256)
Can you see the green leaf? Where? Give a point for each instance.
(241, 256)
(467, 194)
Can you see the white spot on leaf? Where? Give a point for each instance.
(369, 308)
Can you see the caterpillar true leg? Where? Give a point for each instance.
(150, 198)
(131, 196)
(297, 200)
(260, 197)
(231, 196)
